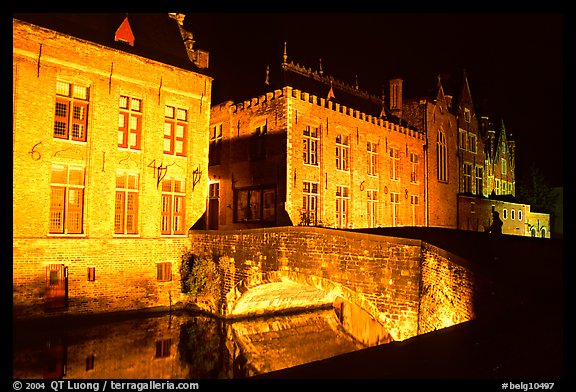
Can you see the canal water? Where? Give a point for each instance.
(184, 345)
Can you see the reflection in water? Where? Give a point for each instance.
(186, 346)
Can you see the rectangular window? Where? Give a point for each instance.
(414, 203)
(497, 187)
(310, 203)
(414, 168)
(66, 199)
(467, 115)
(479, 180)
(310, 147)
(503, 166)
(472, 143)
(71, 111)
(173, 206)
(342, 202)
(463, 140)
(91, 274)
(126, 205)
(394, 160)
(342, 152)
(394, 208)
(175, 130)
(164, 272)
(372, 207)
(215, 146)
(163, 348)
(372, 149)
(467, 177)
(130, 123)
(255, 205)
(258, 143)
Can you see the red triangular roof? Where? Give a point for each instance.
(124, 33)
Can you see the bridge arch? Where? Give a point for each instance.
(236, 307)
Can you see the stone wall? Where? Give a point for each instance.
(380, 274)
(409, 286)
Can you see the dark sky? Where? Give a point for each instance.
(514, 61)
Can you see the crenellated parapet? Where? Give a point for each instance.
(327, 104)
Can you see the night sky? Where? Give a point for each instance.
(514, 61)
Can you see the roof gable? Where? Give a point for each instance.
(124, 32)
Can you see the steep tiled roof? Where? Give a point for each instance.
(318, 84)
(156, 36)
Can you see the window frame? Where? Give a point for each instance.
(372, 151)
(126, 130)
(66, 210)
(170, 200)
(126, 192)
(311, 142)
(173, 121)
(71, 101)
(343, 152)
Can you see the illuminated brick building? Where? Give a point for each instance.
(316, 151)
(110, 143)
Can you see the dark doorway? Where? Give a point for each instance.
(56, 296)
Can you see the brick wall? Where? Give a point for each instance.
(125, 263)
(409, 286)
(126, 275)
(377, 273)
(287, 113)
(448, 288)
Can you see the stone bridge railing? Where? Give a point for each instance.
(409, 286)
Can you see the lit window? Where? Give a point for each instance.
(394, 160)
(175, 130)
(130, 123)
(372, 207)
(342, 201)
(71, 112)
(311, 138)
(372, 149)
(67, 199)
(342, 152)
(414, 166)
(173, 206)
(126, 203)
(310, 203)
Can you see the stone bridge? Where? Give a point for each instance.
(410, 286)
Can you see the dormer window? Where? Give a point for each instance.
(467, 115)
(124, 33)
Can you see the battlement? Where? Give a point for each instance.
(322, 102)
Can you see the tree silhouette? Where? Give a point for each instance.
(535, 190)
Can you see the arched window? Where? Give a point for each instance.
(442, 157)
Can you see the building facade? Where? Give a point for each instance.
(296, 156)
(292, 157)
(110, 144)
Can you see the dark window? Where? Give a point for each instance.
(164, 272)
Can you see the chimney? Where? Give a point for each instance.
(396, 97)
